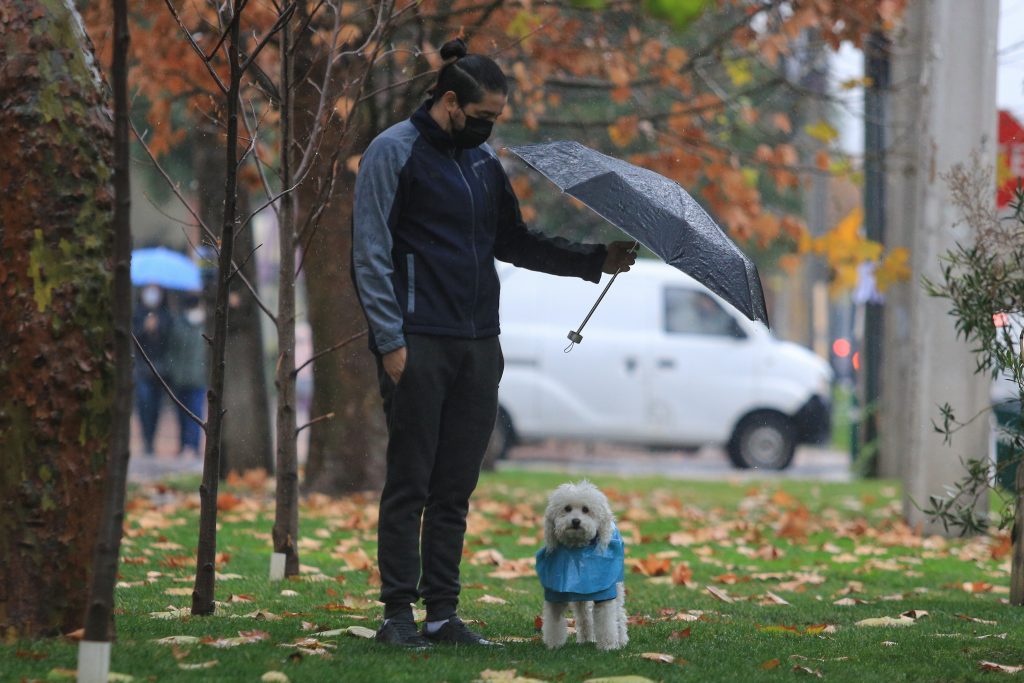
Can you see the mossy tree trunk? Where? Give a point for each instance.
(56, 333)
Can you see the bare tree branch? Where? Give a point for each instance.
(205, 228)
(312, 422)
(331, 349)
(199, 51)
(170, 392)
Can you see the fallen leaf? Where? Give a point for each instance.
(679, 635)
(773, 599)
(770, 664)
(178, 591)
(682, 574)
(200, 665)
(804, 670)
(361, 632)
(888, 643)
(886, 621)
(914, 613)
(288, 593)
(619, 679)
(177, 640)
(274, 677)
(976, 620)
(658, 657)
(1001, 636)
(492, 600)
(652, 566)
(847, 602)
(1001, 668)
(718, 593)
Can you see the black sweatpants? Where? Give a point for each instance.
(440, 416)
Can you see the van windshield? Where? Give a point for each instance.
(689, 311)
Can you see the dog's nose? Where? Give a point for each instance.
(575, 523)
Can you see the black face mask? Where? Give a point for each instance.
(474, 134)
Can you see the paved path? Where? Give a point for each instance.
(572, 458)
(708, 464)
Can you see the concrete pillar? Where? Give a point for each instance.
(943, 109)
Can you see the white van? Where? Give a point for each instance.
(663, 363)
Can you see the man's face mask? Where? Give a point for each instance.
(473, 134)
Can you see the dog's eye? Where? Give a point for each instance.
(568, 508)
(586, 510)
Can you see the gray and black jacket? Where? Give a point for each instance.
(428, 222)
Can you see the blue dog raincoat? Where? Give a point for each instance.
(579, 574)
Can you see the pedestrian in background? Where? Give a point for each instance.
(188, 368)
(151, 325)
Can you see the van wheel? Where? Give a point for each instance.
(502, 439)
(763, 440)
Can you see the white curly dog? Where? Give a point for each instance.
(582, 567)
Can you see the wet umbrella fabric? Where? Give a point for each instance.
(656, 212)
(166, 268)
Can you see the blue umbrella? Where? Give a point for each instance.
(166, 268)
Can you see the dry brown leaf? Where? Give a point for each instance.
(197, 666)
(976, 620)
(770, 664)
(772, 599)
(651, 566)
(720, 594)
(886, 621)
(682, 574)
(492, 600)
(1001, 668)
(805, 670)
(659, 657)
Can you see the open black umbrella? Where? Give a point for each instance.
(657, 213)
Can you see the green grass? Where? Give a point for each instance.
(730, 642)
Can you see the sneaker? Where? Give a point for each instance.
(456, 632)
(401, 633)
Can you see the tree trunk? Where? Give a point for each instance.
(346, 451)
(202, 595)
(99, 620)
(55, 322)
(286, 509)
(246, 443)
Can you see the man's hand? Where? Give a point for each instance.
(394, 364)
(620, 257)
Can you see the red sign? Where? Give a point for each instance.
(1010, 158)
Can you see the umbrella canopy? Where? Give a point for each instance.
(169, 269)
(656, 212)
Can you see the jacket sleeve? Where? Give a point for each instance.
(520, 246)
(376, 204)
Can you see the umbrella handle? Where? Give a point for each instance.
(574, 336)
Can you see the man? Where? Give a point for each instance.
(433, 209)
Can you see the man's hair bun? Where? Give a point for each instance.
(454, 49)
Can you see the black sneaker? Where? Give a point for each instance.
(455, 632)
(401, 633)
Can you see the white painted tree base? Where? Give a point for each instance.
(93, 662)
(277, 561)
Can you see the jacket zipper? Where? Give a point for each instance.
(476, 259)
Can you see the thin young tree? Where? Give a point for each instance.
(327, 118)
(94, 649)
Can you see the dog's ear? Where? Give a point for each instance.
(604, 528)
(550, 542)
(605, 521)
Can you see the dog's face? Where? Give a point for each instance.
(576, 515)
